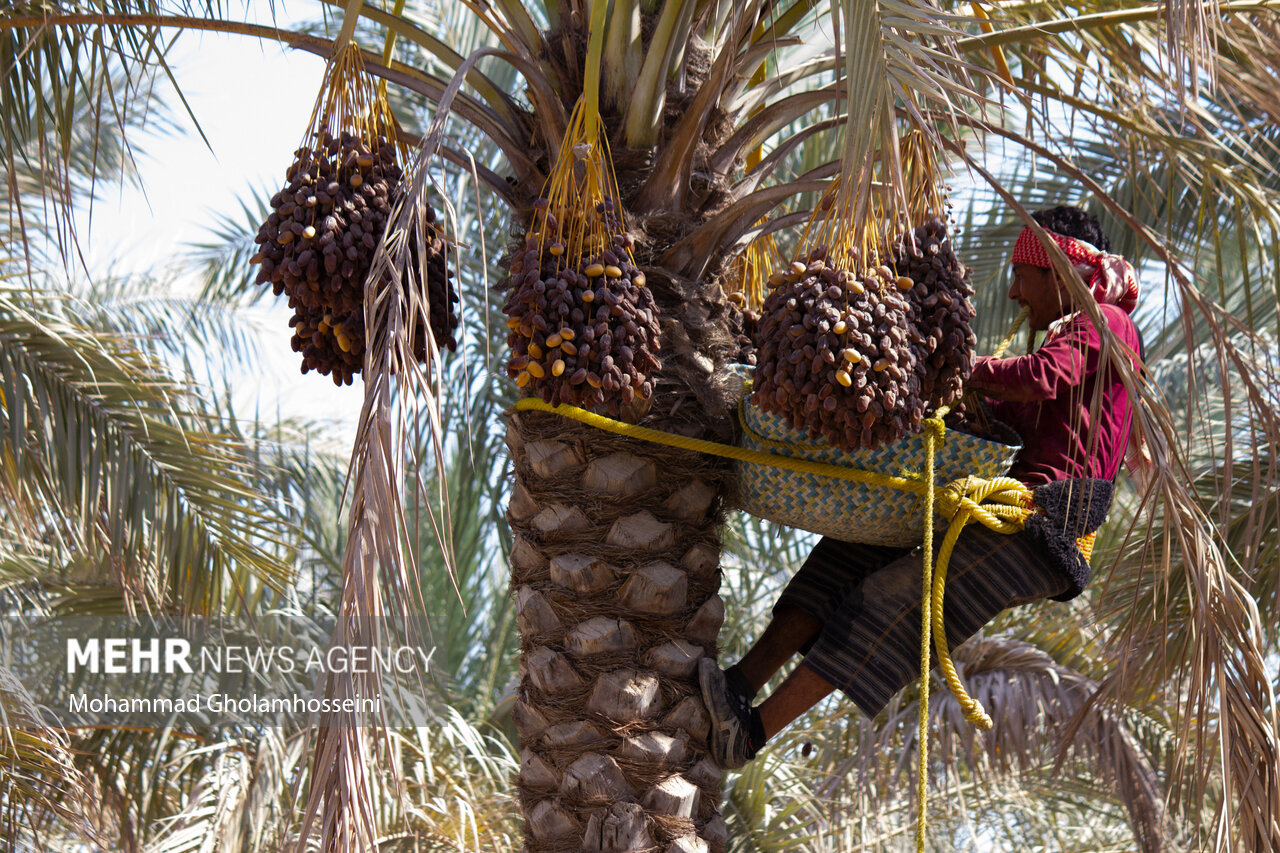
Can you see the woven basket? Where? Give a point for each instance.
(843, 509)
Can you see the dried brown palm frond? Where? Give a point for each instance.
(836, 781)
(1185, 52)
(1207, 646)
(1214, 672)
(864, 767)
(1249, 517)
(40, 783)
(1043, 707)
(381, 595)
(340, 797)
(1222, 671)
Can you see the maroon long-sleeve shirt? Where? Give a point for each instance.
(1048, 397)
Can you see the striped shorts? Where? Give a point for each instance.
(867, 599)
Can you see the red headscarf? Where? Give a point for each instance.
(1110, 277)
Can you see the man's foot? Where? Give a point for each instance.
(730, 735)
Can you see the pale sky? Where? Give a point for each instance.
(253, 100)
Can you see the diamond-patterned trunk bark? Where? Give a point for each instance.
(615, 568)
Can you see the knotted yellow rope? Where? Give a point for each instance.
(1001, 504)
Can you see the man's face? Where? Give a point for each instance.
(1036, 289)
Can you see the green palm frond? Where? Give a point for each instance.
(470, 624)
(205, 334)
(120, 470)
(457, 785)
(773, 808)
(235, 794)
(65, 87)
(305, 474)
(178, 790)
(24, 559)
(225, 273)
(757, 559)
(38, 195)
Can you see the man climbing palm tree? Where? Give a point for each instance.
(853, 610)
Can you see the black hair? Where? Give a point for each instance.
(1073, 222)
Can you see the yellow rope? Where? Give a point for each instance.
(1006, 516)
(935, 431)
(959, 502)
(742, 454)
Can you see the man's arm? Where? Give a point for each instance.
(1059, 364)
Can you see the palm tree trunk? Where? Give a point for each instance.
(615, 567)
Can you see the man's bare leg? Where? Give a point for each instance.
(799, 692)
(737, 729)
(788, 632)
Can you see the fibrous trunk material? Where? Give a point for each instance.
(615, 569)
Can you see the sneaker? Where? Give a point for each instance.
(730, 737)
